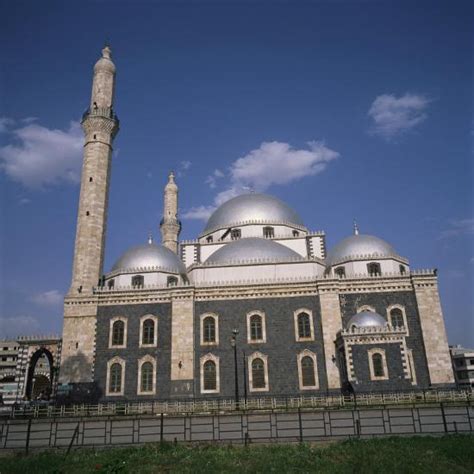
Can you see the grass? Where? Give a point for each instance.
(449, 454)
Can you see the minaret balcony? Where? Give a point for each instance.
(106, 112)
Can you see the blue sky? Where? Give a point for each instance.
(342, 109)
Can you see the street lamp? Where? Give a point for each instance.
(233, 343)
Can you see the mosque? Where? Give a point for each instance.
(256, 306)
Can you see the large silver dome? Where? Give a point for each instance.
(258, 208)
(366, 319)
(359, 245)
(252, 249)
(149, 256)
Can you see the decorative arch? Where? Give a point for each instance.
(110, 364)
(303, 375)
(31, 371)
(209, 333)
(252, 361)
(366, 307)
(147, 359)
(145, 340)
(206, 362)
(377, 364)
(304, 330)
(401, 308)
(254, 333)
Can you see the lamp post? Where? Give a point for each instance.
(233, 343)
(245, 378)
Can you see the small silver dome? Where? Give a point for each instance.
(366, 319)
(259, 208)
(149, 255)
(357, 245)
(252, 249)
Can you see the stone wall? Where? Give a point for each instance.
(280, 346)
(132, 353)
(380, 302)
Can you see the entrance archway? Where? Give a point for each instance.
(39, 384)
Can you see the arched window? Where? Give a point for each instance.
(374, 269)
(210, 375)
(296, 233)
(396, 318)
(146, 382)
(209, 239)
(235, 234)
(118, 333)
(148, 332)
(172, 281)
(258, 373)
(340, 272)
(256, 327)
(115, 378)
(137, 280)
(209, 329)
(402, 269)
(377, 363)
(304, 325)
(268, 232)
(110, 284)
(307, 372)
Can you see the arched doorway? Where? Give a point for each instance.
(40, 375)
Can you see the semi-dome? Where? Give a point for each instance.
(255, 208)
(251, 249)
(366, 319)
(149, 255)
(359, 245)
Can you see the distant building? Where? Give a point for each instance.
(463, 365)
(8, 361)
(28, 368)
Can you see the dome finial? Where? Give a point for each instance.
(171, 177)
(150, 238)
(106, 51)
(356, 228)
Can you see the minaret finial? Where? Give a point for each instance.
(150, 238)
(171, 177)
(356, 228)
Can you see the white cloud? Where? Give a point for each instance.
(5, 124)
(40, 156)
(273, 163)
(458, 227)
(394, 116)
(211, 180)
(48, 298)
(19, 326)
(23, 201)
(183, 168)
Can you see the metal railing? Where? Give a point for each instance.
(330, 402)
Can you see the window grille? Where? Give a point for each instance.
(209, 329)
(258, 373)
(210, 375)
(396, 317)
(115, 384)
(146, 382)
(256, 327)
(118, 332)
(148, 333)
(304, 325)
(307, 372)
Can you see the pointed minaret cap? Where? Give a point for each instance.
(106, 52)
(356, 228)
(171, 184)
(150, 238)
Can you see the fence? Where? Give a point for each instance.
(241, 428)
(226, 405)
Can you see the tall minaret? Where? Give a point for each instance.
(100, 125)
(170, 225)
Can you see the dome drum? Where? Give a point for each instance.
(253, 209)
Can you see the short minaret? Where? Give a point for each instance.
(356, 228)
(100, 125)
(170, 226)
